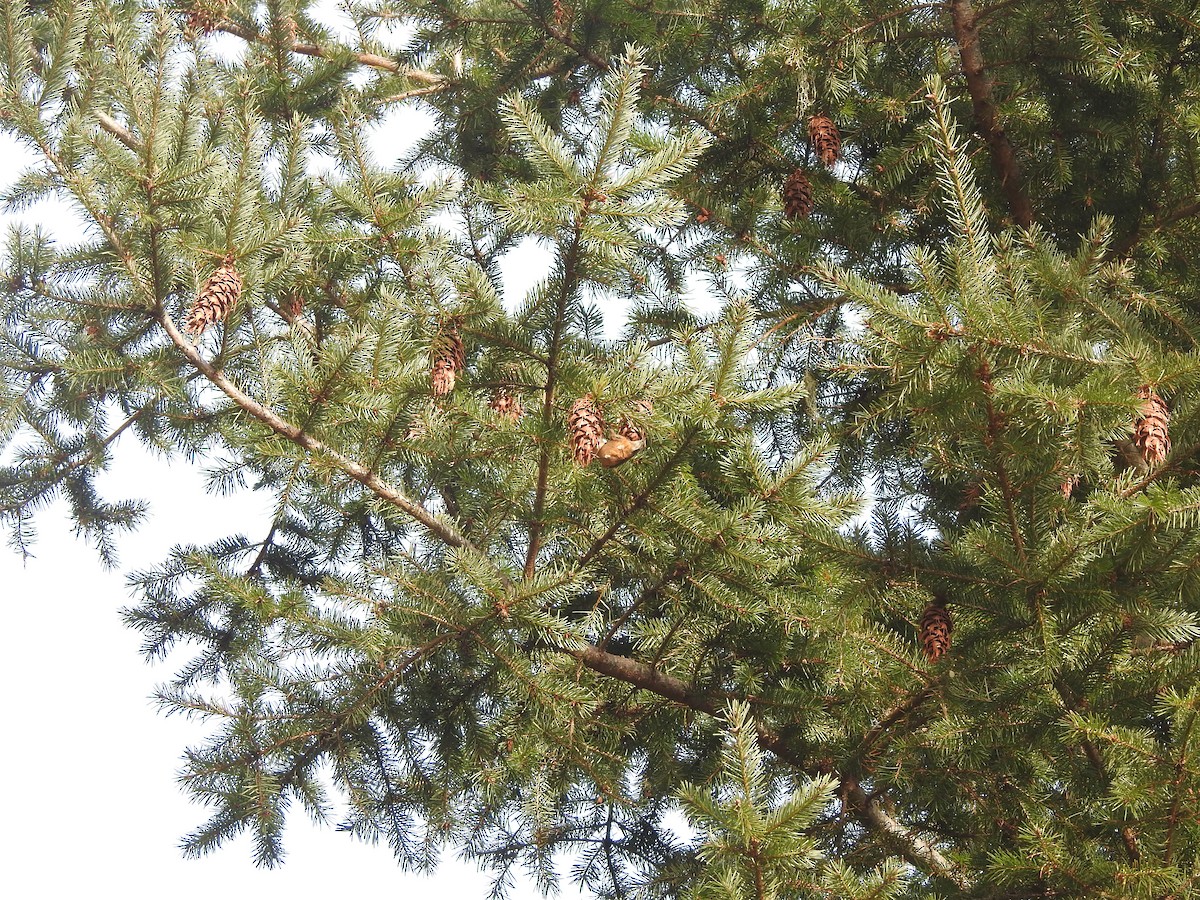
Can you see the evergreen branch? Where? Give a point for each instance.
(364, 476)
(890, 718)
(561, 36)
(371, 60)
(979, 85)
(570, 261)
(119, 131)
(1181, 771)
(917, 850)
(642, 499)
(416, 92)
(881, 19)
(994, 428)
(53, 478)
(1128, 838)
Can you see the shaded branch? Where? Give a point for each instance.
(916, 849)
(979, 84)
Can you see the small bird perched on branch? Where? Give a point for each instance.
(617, 449)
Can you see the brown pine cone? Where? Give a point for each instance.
(797, 196)
(826, 140)
(935, 631)
(586, 428)
(1150, 433)
(506, 405)
(221, 290)
(635, 429)
(448, 358)
(203, 16)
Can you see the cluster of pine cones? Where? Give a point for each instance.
(585, 423)
(826, 141)
(448, 357)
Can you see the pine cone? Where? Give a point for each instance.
(1150, 434)
(203, 16)
(217, 297)
(935, 631)
(825, 139)
(587, 429)
(448, 358)
(797, 196)
(1068, 485)
(506, 405)
(635, 430)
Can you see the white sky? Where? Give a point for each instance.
(91, 799)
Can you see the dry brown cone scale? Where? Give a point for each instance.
(1150, 434)
(935, 629)
(586, 427)
(448, 357)
(797, 196)
(218, 295)
(825, 138)
(506, 405)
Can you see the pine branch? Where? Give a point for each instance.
(570, 261)
(919, 851)
(994, 429)
(445, 532)
(562, 37)
(119, 131)
(641, 500)
(979, 84)
(372, 60)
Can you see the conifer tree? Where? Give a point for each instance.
(893, 593)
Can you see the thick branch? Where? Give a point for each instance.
(979, 84)
(119, 131)
(367, 59)
(916, 849)
(298, 436)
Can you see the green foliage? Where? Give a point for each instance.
(451, 634)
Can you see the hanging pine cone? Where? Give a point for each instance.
(506, 405)
(797, 196)
(635, 429)
(1068, 486)
(587, 429)
(217, 297)
(203, 16)
(1150, 433)
(825, 139)
(935, 631)
(448, 358)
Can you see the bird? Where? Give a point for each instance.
(617, 449)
